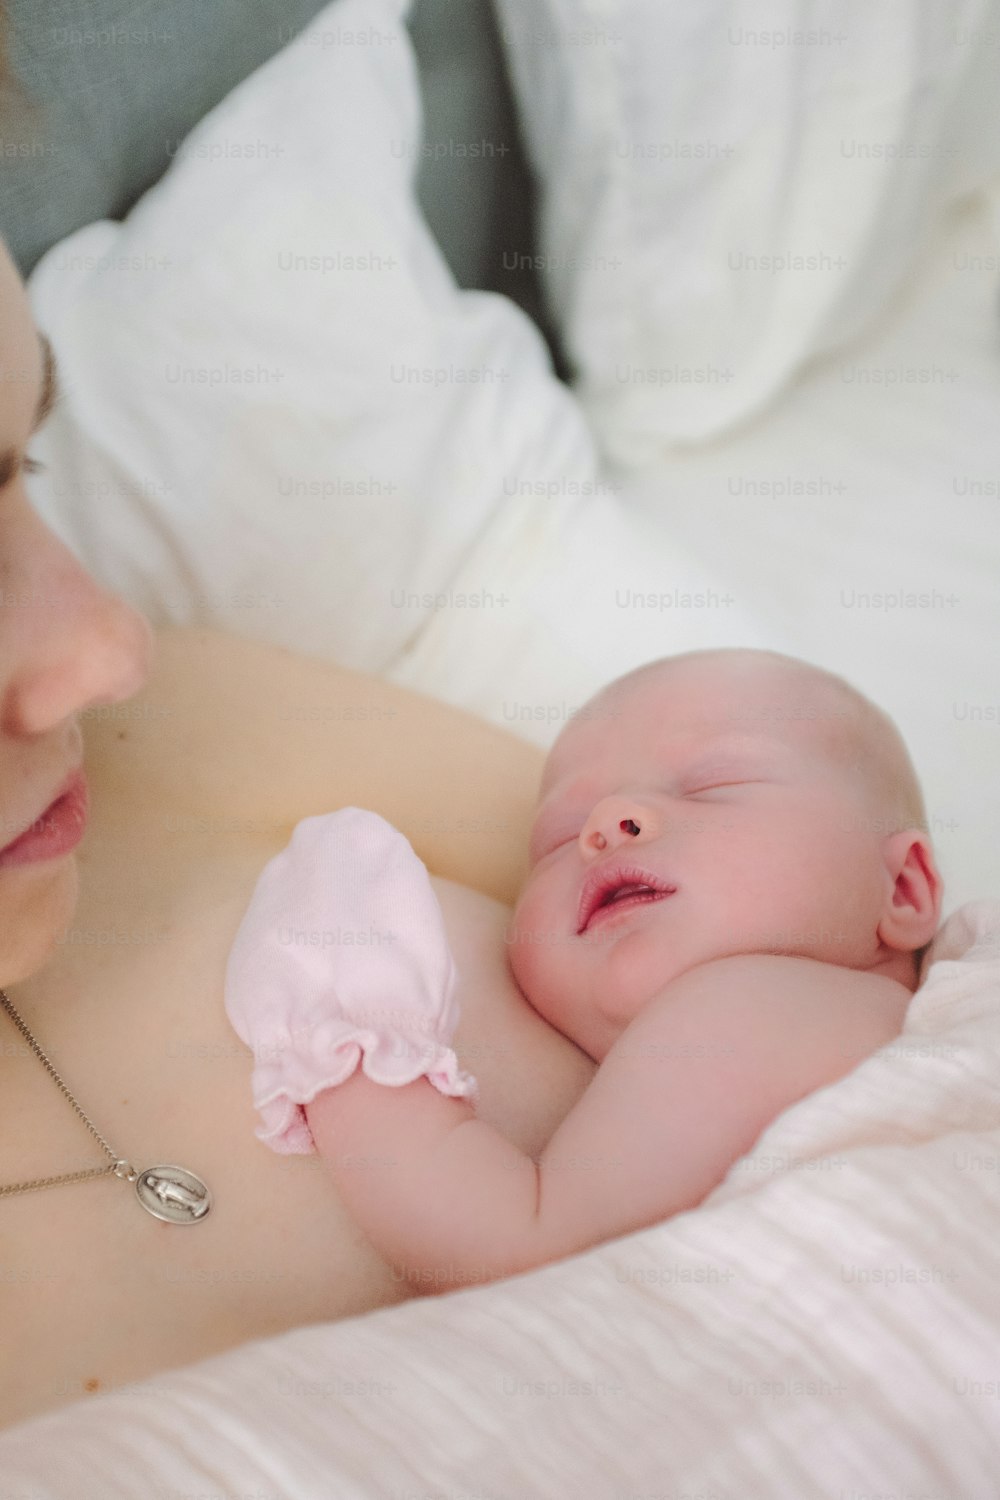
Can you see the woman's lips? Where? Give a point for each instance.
(56, 831)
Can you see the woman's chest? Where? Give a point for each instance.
(130, 1012)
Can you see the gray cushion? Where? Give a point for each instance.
(109, 87)
(112, 86)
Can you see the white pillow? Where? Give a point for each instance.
(729, 191)
(281, 417)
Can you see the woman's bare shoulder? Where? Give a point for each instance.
(138, 746)
(262, 736)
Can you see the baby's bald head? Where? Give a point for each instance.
(769, 689)
(778, 802)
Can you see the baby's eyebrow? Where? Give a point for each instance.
(729, 756)
(735, 742)
(752, 749)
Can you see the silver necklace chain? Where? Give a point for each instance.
(118, 1167)
(168, 1192)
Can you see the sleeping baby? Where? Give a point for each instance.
(730, 888)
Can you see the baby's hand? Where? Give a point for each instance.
(342, 956)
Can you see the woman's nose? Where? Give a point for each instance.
(78, 646)
(616, 821)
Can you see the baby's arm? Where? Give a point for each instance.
(683, 1093)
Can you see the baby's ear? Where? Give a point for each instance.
(914, 890)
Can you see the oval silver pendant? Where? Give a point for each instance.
(174, 1194)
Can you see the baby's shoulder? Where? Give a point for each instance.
(713, 1059)
(782, 1015)
(791, 973)
(743, 986)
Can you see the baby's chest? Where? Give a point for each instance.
(530, 1076)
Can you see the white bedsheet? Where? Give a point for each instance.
(825, 1325)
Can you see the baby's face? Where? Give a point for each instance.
(690, 815)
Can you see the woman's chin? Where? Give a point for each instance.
(38, 902)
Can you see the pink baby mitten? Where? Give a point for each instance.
(340, 958)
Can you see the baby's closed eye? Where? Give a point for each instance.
(718, 786)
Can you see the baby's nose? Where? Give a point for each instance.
(613, 822)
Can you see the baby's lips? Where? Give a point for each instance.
(641, 898)
(611, 877)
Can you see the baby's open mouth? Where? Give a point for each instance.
(617, 891)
